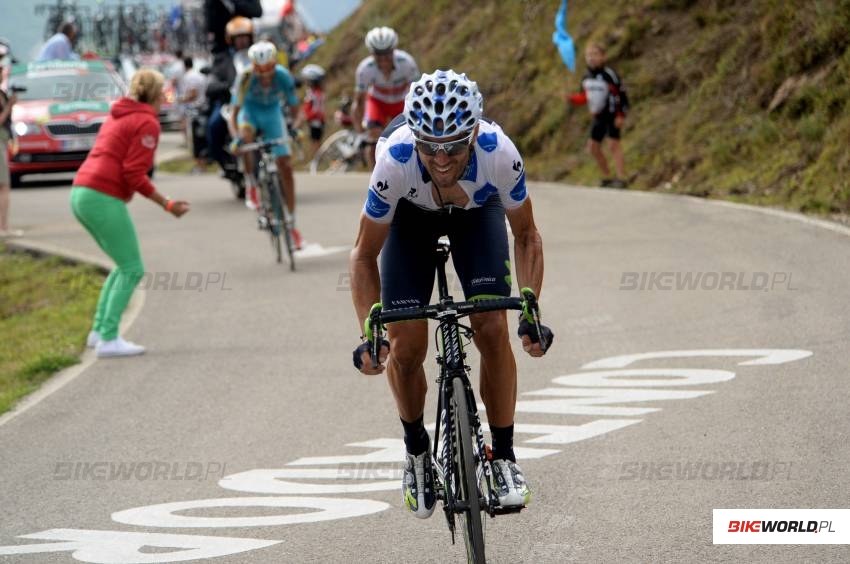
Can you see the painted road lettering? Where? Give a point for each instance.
(602, 392)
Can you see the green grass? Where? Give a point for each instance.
(46, 307)
(701, 78)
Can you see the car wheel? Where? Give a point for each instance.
(15, 180)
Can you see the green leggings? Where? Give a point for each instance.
(108, 221)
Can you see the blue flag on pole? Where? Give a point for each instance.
(563, 40)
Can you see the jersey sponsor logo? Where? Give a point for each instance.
(413, 193)
(382, 187)
(375, 208)
(149, 142)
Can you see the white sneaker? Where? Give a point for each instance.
(118, 347)
(93, 339)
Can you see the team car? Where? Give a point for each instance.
(61, 106)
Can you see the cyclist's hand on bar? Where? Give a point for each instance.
(531, 340)
(363, 359)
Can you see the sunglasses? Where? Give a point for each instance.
(451, 148)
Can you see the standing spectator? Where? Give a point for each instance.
(114, 171)
(313, 108)
(226, 65)
(605, 96)
(219, 12)
(192, 88)
(6, 103)
(60, 46)
(175, 70)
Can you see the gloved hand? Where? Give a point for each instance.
(531, 339)
(362, 358)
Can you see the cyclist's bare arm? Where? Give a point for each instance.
(528, 247)
(357, 110)
(234, 113)
(363, 266)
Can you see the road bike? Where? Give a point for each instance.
(461, 459)
(345, 149)
(341, 152)
(274, 215)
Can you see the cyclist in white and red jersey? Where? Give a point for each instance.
(382, 81)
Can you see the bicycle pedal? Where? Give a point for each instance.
(501, 510)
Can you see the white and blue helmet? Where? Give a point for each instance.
(443, 104)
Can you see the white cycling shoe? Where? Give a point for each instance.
(509, 484)
(118, 347)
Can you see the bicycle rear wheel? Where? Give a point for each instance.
(335, 155)
(467, 491)
(282, 222)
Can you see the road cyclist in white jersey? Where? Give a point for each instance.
(442, 170)
(382, 81)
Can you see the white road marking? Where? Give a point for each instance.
(765, 356)
(164, 514)
(114, 547)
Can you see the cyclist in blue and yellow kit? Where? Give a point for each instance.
(256, 109)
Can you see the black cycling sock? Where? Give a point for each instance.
(503, 443)
(415, 436)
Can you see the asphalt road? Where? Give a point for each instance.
(252, 372)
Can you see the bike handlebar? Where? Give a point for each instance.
(378, 317)
(260, 145)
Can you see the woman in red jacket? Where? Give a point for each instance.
(115, 169)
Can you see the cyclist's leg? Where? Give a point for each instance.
(616, 149)
(377, 115)
(594, 144)
(273, 128)
(407, 279)
(482, 260)
(247, 133)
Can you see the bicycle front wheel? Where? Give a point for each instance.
(466, 475)
(333, 155)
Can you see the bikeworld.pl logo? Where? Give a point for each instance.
(780, 527)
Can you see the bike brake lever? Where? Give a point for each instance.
(532, 307)
(374, 333)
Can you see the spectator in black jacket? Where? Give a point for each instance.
(225, 66)
(219, 12)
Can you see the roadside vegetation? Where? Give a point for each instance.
(741, 100)
(46, 307)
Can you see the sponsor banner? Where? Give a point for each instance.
(782, 526)
(65, 108)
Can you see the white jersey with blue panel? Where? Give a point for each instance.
(495, 167)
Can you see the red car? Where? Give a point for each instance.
(61, 106)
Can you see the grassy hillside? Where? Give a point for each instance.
(731, 99)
